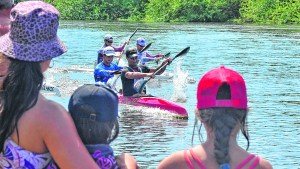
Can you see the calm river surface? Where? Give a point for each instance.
(267, 57)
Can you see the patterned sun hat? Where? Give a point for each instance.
(33, 33)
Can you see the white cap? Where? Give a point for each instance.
(108, 37)
(109, 51)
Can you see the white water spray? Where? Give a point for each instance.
(180, 84)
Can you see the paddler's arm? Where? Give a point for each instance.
(120, 48)
(153, 56)
(168, 60)
(138, 75)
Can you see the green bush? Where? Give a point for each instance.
(270, 11)
(239, 11)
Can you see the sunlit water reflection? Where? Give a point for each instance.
(267, 57)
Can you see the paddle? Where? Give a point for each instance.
(144, 82)
(164, 56)
(113, 83)
(126, 45)
(145, 48)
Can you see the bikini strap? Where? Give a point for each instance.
(196, 158)
(255, 163)
(248, 159)
(187, 160)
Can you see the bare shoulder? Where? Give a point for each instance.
(265, 164)
(51, 110)
(127, 161)
(173, 161)
(43, 115)
(53, 116)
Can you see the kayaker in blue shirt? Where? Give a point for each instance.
(106, 69)
(145, 56)
(133, 72)
(108, 40)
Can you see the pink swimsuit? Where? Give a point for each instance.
(200, 164)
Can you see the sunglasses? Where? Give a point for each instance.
(109, 41)
(133, 58)
(110, 56)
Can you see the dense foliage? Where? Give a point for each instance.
(270, 11)
(241, 11)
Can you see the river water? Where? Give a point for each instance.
(267, 57)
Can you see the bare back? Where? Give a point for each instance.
(178, 160)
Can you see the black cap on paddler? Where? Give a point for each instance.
(131, 52)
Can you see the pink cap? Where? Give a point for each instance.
(210, 83)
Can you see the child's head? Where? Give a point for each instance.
(94, 110)
(227, 81)
(222, 107)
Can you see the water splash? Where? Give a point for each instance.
(62, 82)
(180, 84)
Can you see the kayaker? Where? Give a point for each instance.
(145, 56)
(5, 7)
(33, 129)
(222, 109)
(133, 72)
(108, 40)
(106, 69)
(94, 109)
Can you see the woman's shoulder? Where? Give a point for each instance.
(48, 108)
(126, 160)
(46, 113)
(174, 161)
(264, 164)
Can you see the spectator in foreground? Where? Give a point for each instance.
(222, 109)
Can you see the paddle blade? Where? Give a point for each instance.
(183, 52)
(167, 55)
(139, 85)
(112, 82)
(145, 48)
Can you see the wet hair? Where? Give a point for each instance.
(20, 93)
(93, 132)
(222, 120)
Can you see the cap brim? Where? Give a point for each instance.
(133, 55)
(35, 52)
(107, 38)
(110, 54)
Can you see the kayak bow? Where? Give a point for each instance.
(155, 102)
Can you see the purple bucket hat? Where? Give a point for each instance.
(33, 33)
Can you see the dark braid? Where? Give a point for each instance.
(222, 121)
(20, 93)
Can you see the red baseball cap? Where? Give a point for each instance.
(210, 83)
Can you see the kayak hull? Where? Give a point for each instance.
(155, 102)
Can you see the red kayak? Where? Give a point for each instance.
(155, 102)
